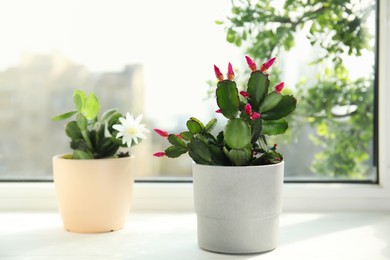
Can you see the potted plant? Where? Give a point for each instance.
(237, 176)
(94, 183)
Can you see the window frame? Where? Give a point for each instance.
(170, 196)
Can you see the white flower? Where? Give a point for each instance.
(130, 129)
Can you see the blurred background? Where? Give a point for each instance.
(156, 58)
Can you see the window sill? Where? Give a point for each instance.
(172, 235)
(179, 197)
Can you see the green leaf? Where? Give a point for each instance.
(210, 125)
(72, 130)
(275, 127)
(175, 151)
(79, 144)
(82, 122)
(220, 138)
(79, 99)
(256, 128)
(77, 154)
(218, 22)
(270, 101)
(237, 133)
(230, 36)
(63, 116)
(186, 135)
(92, 107)
(194, 125)
(227, 98)
(240, 157)
(199, 151)
(218, 155)
(176, 141)
(257, 88)
(286, 105)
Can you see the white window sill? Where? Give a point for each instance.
(179, 197)
(169, 235)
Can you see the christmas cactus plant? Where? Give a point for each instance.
(252, 114)
(92, 138)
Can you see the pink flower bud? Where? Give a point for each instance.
(230, 73)
(218, 111)
(266, 65)
(248, 109)
(250, 113)
(244, 94)
(218, 73)
(159, 154)
(251, 63)
(254, 116)
(161, 132)
(278, 88)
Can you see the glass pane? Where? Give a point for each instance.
(156, 58)
(327, 56)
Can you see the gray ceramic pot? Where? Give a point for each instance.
(238, 208)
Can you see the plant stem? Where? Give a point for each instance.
(87, 140)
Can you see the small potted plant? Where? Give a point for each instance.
(237, 176)
(94, 183)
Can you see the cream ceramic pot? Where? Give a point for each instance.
(93, 195)
(238, 208)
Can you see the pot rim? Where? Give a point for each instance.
(240, 167)
(61, 157)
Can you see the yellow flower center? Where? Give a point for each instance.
(132, 131)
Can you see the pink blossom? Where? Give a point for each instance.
(230, 73)
(218, 73)
(266, 65)
(161, 132)
(159, 154)
(254, 116)
(248, 109)
(244, 94)
(250, 113)
(278, 88)
(251, 63)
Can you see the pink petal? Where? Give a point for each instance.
(161, 132)
(278, 88)
(244, 94)
(266, 65)
(255, 116)
(218, 73)
(251, 63)
(248, 109)
(230, 74)
(159, 154)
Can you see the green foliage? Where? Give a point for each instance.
(237, 133)
(227, 98)
(336, 28)
(258, 85)
(242, 141)
(346, 136)
(89, 137)
(267, 28)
